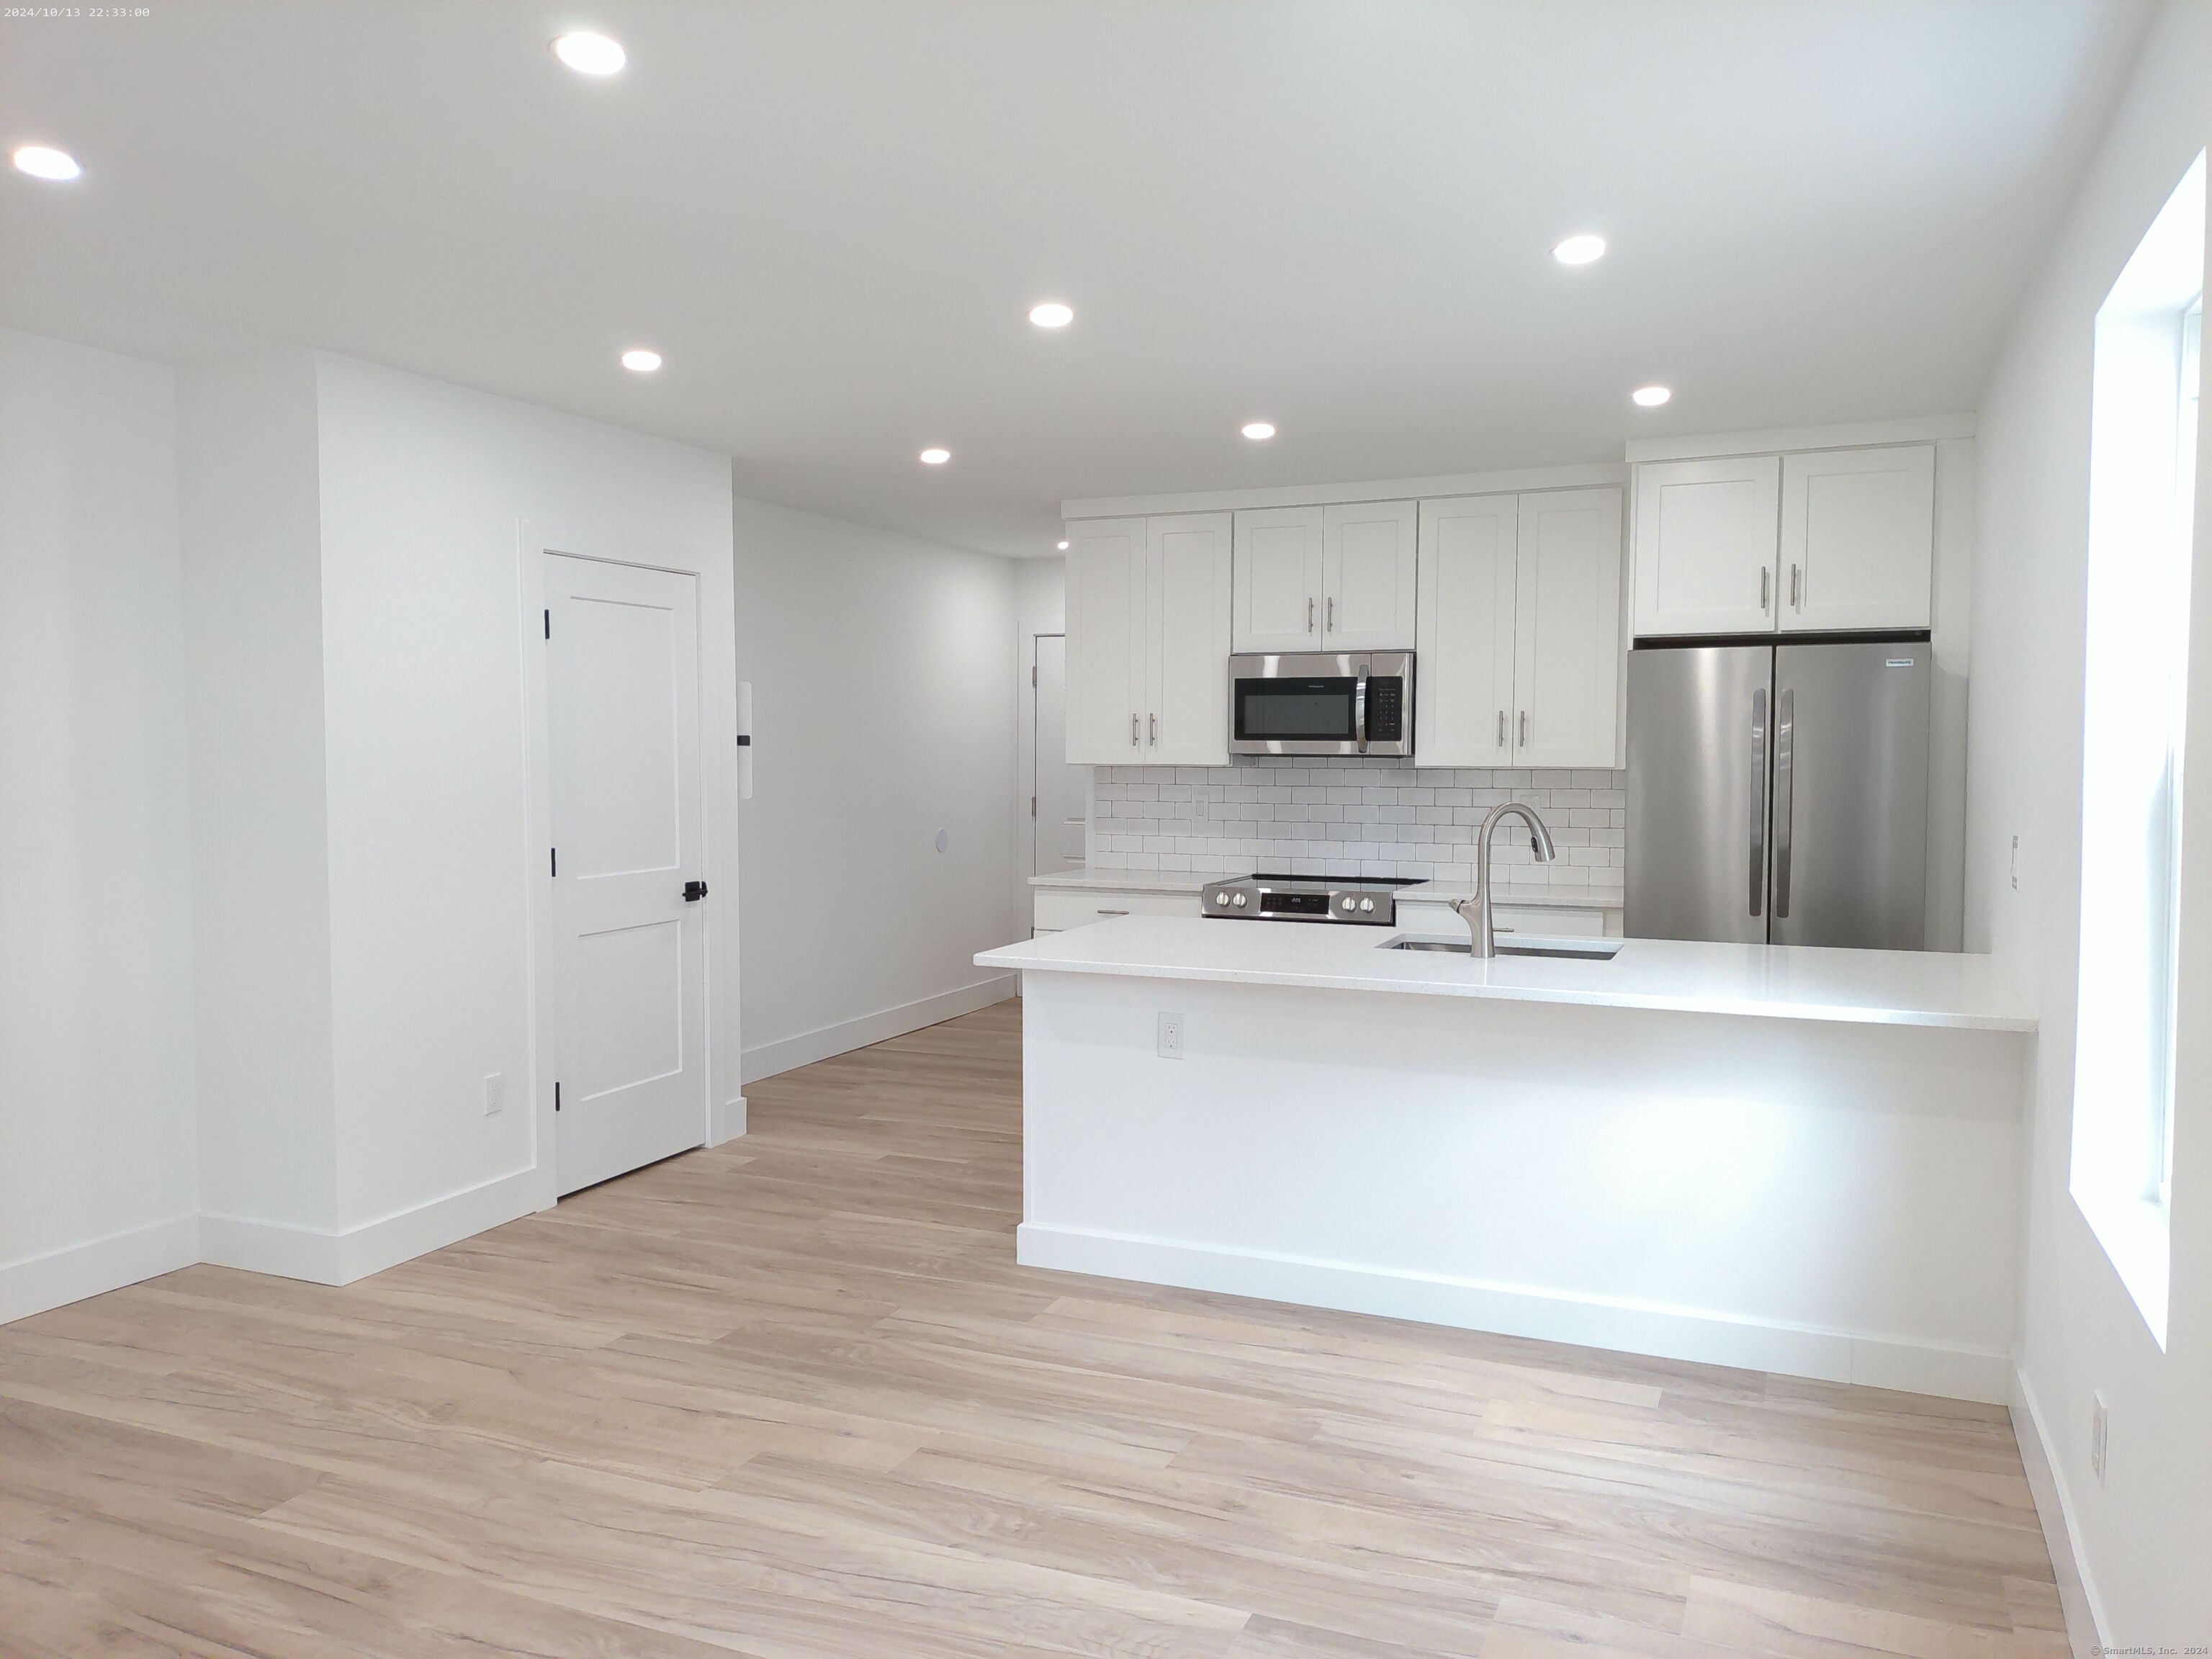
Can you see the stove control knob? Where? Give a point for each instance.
(1349, 903)
(1238, 900)
(1367, 904)
(1221, 897)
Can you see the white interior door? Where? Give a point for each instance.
(1059, 793)
(629, 961)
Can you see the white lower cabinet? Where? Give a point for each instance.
(1519, 653)
(1148, 628)
(1058, 908)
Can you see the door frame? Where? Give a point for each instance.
(723, 1112)
(1025, 767)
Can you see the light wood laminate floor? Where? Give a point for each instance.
(792, 1397)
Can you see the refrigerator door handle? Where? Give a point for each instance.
(1786, 794)
(1758, 800)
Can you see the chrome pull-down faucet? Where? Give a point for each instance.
(1476, 912)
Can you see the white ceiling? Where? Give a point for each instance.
(831, 215)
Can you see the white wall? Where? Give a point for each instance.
(97, 1181)
(883, 675)
(260, 880)
(424, 487)
(2144, 1533)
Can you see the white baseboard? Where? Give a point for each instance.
(789, 1054)
(99, 1265)
(2054, 1507)
(727, 1122)
(331, 1256)
(1885, 1362)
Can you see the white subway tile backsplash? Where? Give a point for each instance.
(1374, 818)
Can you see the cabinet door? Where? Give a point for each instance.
(1368, 563)
(1463, 668)
(1566, 654)
(1858, 536)
(1277, 588)
(1105, 641)
(1706, 539)
(1187, 592)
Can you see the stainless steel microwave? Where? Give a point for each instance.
(1353, 702)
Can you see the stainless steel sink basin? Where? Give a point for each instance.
(1595, 950)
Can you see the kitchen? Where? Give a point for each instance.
(1509, 760)
(1244, 832)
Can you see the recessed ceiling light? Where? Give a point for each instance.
(1259, 431)
(42, 161)
(1580, 249)
(641, 360)
(1051, 313)
(1651, 397)
(934, 457)
(590, 54)
(1063, 546)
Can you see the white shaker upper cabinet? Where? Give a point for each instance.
(1187, 563)
(1369, 559)
(1858, 529)
(1106, 641)
(1566, 655)
(1463, 678)
(1707, 536)
(1278, 580)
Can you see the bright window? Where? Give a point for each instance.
(2142, 447)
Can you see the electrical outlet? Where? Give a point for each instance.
(1171, 1036)
(2100, 1431)
(494, 1093)
(2015, 863)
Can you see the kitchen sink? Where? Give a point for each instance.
(1595, 950)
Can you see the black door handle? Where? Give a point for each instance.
(693, 891)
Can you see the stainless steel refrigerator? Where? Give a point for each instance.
(1778, 794)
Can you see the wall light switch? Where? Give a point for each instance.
(494, 1093)
(1171, 1036)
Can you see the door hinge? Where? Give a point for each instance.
(549, 624)
(554, 852)
(557, 1097)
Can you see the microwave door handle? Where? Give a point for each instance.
(1359, 709)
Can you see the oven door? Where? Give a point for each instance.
(1351, 703)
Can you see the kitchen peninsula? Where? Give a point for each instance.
(1801, 1160)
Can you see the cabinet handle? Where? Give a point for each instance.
(1309, 610)
(1133, 730)
(1113, 912)
(1763, 574)
(1331, 613)
(1155, 720)
(1796, 603)
(1501, 728)
(1524, 728)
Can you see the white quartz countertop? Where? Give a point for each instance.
(1438, 892)
(1778, 981)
